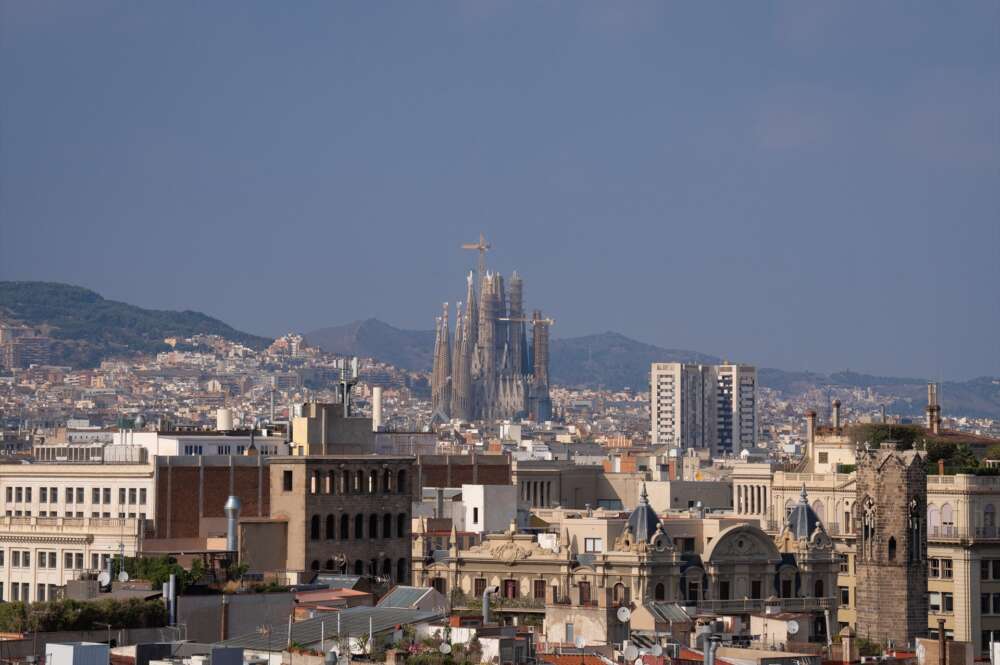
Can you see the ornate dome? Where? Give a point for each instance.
(803, 520)
(643, 521)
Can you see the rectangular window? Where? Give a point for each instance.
(68, 560)
(475, 514)
(984, 603)
(570, 637)
(53, 494)
(78, 560)
(934, 601)
(984, 569)
(995, 565)
(845, 596)
(1, 557)
(286, 480)
(539, 589)
(10, 494)
(43, 495)
(142, 496)
(69, 495)
(79, 495)
(824, 458)
(121, 495)
(844, 563)
(52, 560)
(755, 589)
(584, 593)
(40, 594)
(26, 559)
(479, 586)
(27, 494)
(15, 558)
(933, 568)
(18, 495)
(946, 569)
(948, 601)
(95, 563)
(593, 545)
(131, 495)
(95, 495)
(107, 496)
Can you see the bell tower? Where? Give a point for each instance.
(890, 515)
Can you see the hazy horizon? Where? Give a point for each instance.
(799, 186)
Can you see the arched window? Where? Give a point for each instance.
(314, 482)
(989, 516)
(660, 592)
(359, 526)
(314, 527)
(373, 526)
(401, 571)
(386, 481)
(892, 548)
(401, 525)
(620, 594)
(933, 519)
(331, 527)
(387, 568)
(401, 481)
(345, 527)
(345, 482)
(359, 481)
(818, 588)
(330, 482)
(947, 520)
(387, 526)
(373, 482)
(820, 511)
(359, 567)
(314, 565)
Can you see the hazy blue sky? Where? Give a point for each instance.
(798, 185)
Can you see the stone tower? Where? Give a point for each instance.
(890, 515)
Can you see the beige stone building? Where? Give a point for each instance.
(344, 513)
(586, 564)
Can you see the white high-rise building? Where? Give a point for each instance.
(737, 407)
(704, 406)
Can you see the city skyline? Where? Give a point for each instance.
(739, 195)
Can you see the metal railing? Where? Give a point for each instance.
(758, 604)
(952, 533)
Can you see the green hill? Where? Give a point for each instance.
(87, 328)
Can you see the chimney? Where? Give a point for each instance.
(376, 408)
(942, 645)
(232, 510)
(810, 432)
(224, 628)
(836, 415)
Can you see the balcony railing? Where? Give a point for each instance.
(758, 605)
(954, 533)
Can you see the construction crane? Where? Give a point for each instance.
(524, 319)
(482, 247)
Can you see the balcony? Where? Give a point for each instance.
(956, 534)
(757, 605)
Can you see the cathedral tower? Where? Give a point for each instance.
(891, 517)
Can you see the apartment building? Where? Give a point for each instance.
(712, 407)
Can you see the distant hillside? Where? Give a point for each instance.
(611, 360)
(407, 349)
(87, 328)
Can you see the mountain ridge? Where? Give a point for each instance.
(87, 328)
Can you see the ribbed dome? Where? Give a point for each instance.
(643, 520)
(802, 521)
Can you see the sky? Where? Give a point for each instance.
(800, 185)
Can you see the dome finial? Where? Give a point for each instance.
(803, 494)
(643, 497)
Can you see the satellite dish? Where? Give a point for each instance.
(123, 577)
(624, 614)
(631, 653)
(445, 648)
(104, 579)
(793, 627)
(580, 642)
(657, 650)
